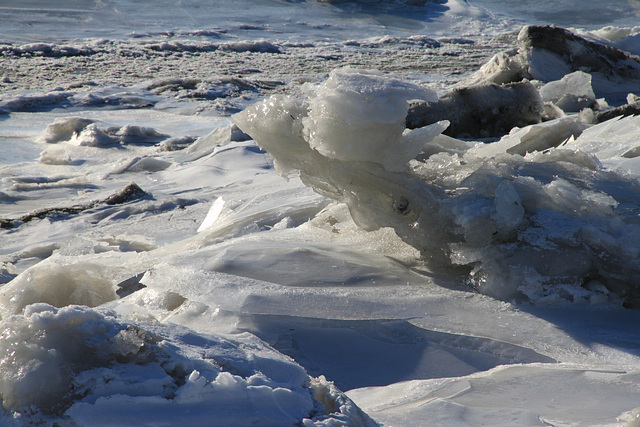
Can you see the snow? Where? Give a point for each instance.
(138, 370)
(222, 220)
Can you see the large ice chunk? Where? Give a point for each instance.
(355, 115)
(57, 284)
(571, 93)
(360, 115)
(525, 217)
(548, 53)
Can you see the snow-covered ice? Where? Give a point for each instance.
(214, 214)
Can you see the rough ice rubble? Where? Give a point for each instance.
(487, 110)
(81, 366)
(86, 132)
(357, 308)
(553, 73)
(96, 46)
(548, 54)
(136, 391)
(545, 224)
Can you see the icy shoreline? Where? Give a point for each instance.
(224, 284)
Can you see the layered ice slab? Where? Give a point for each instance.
(522, 218)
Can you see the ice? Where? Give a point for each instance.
(609, 141)
(239, 46)
(632, 417)
(500, 208)
(36, 365)
(156, 268)
(625, 38)
(450, 402)
(134, 371)
(55, 157)
(367, 111)
(548, 54)
(572, 93)
(85, 132)
(411, 41)
(353, 350)
(147, 164)
(536, 138)
(58, 285)
(507, 212)
(64, 129)
(34, 102)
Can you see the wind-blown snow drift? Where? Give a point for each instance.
(523, 217)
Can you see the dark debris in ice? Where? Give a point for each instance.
(130, 285)
(581, 54)
(129, 193)
(481, 111)
(623, 110)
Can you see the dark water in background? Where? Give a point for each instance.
(58, 20)
(569, 13)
